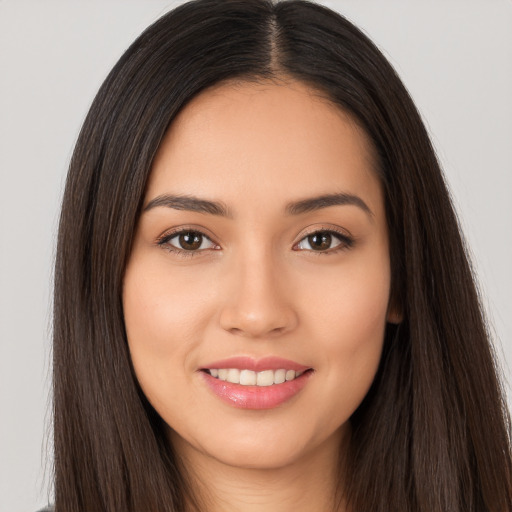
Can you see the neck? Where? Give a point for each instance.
(310, 483)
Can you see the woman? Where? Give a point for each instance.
(262, 299)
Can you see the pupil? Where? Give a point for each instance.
(320, 241)
(190, 241)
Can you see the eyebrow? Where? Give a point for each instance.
(324, 201)
(195, 204)
(189, 203)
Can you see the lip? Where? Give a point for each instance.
(256, 397)
(257, 365)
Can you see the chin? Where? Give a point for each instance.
(260, 450)
(270, 456)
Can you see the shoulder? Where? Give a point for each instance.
(47, 509)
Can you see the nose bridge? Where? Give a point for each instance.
(257, 304)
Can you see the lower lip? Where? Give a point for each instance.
(256, 397)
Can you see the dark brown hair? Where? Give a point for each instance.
(432, 435)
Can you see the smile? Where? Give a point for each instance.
(253, 378)
(247, 383)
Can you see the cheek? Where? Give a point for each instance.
(164, 317)
(350, 302)
(348, 321)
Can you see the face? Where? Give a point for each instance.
(256, 295)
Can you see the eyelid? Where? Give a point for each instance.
(321, 228)
(346, 239)
(163, 239)
(184, 228)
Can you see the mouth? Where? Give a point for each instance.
(246, 383)
(247, 377)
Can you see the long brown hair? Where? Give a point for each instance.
(432, 435)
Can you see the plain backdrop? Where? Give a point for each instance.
(455, 57)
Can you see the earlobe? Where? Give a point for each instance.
(394, 315)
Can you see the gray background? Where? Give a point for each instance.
(455, 56)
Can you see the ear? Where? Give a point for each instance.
(395, 314)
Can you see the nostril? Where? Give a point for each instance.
(251, 315)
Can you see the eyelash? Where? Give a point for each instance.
(163, 241)
(346, 242)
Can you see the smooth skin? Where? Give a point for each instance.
(254, 280)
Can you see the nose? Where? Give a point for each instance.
(258, 301)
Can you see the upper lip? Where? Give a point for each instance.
(257, 365)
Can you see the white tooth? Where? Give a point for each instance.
(279, 376)
(214, 372)
(248, 378)
(233, 376)
(298, 374)
(265, 378)
(223, 374)
(290, 375)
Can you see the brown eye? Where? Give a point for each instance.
(324, 241)
(188, 240)
(320, 241)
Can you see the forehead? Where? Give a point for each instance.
(269, 141)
